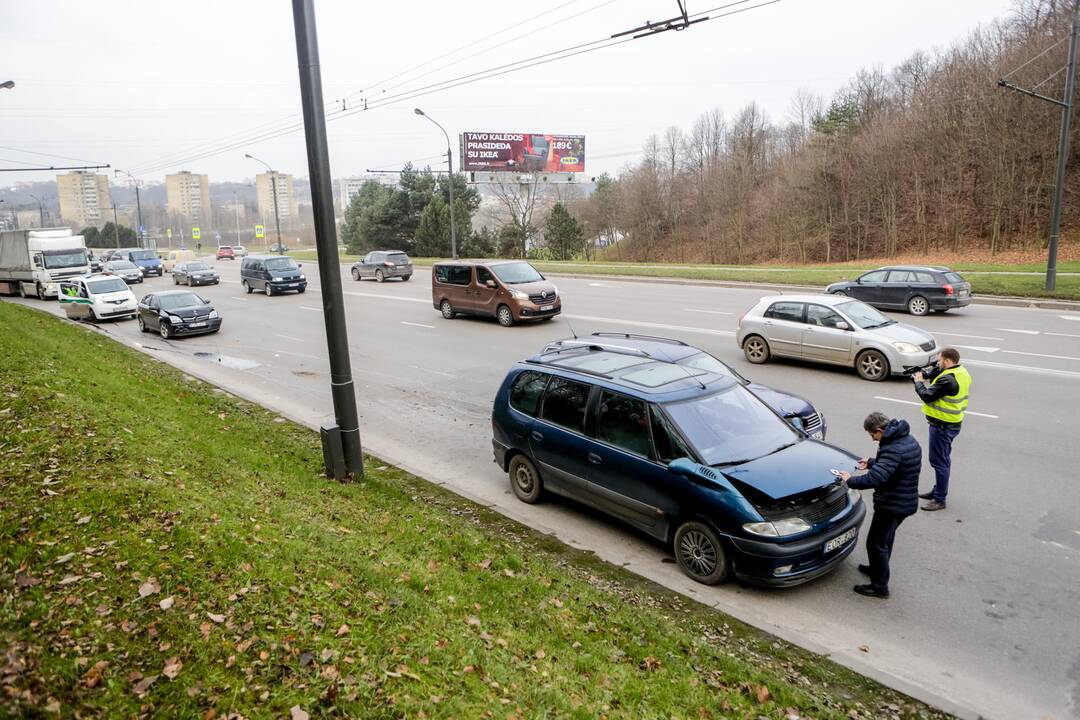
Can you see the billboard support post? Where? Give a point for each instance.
(450, 167)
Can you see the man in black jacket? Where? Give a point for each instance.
(894, 476)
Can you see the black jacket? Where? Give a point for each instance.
(894, 473)
(936, 390)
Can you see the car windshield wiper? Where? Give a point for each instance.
(782, 447)
(728, 463)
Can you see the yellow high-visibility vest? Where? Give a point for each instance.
(951, 407)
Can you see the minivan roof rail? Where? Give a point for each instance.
(583, 371)
(563, 345)
(635, 336)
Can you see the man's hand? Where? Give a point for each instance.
(918, 377)
(844, 475)
(862, 464)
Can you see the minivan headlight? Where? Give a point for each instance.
(778, 528)
(302, 276)
(277, 279)
(518, 295)
(906, 347)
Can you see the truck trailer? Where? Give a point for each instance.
(33, 262)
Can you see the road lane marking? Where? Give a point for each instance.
(406, 322)
(912, 402)
(973, 337)
(711, 312)
(305, 307)
(978, 348)
(1062, 335)
(296, 354)
(290, 337)
(662, 326)
(433, 372)
(1025, 368)
(238, 298)
(1055, 357)
(380, 296)
(604, 285)
(1022, 332)
(1069, 317)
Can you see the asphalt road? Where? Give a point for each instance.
(984, 617)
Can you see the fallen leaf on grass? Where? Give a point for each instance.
(484, 564)
(64, 558)
(25, 580)
(53, 706)
(143, 686)
(762, 694)
(92, 677)
(150, 587)
(83, 520)
(216, 617)
(650, 663)
(296, 713)
(167, 603)
(68, 579)
(204, 629)
(172, 667)
(473, 620)
(343, 630)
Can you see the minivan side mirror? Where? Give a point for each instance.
(491, 284)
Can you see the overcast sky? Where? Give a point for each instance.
(148, 85)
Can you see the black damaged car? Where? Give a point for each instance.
(177, 312)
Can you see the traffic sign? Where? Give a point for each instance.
(196, 233)
(260, 231)
(217, 236)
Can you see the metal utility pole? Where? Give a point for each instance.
(41, 210)
(1066, 104)
(236, 206)
(115, 225)
(450, 165)
(138, 204)
(273, 191)
(342, 453)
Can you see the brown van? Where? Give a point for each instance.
(508, 290)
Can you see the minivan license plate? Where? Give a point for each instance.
(545, 308)
(841, 540)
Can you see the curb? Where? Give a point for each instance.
(1004, 300)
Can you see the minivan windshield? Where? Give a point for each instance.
(64, 258)
(180, 300)
(863, 315)
(731, 426)
(143, 255)
(281, 264)
(516, 273)
(99, 287)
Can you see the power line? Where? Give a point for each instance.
(1016, 70)
(33, 152)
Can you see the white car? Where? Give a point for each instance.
(239, 251)
(97, 297)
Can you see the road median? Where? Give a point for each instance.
(172, 550)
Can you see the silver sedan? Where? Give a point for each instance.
(832, 329)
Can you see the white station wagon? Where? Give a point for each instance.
(97, 297)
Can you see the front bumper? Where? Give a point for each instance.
(288, 285)
(212, 325)
(532, 311)
(132, 279)
(757, 561)
(148, 270)
(205, 280)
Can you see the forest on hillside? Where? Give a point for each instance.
(930, 155)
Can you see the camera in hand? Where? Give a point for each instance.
(928, 370)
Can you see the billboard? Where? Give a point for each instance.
(522, 152)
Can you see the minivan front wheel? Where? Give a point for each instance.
(269, 290)
(872, 365)
(506, 317)
(247, 287)
(756, 349)
(700, 553)
(447, 310)
(525, 480)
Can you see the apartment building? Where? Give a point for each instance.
(187, 197)
(265, 185)
(84, 199)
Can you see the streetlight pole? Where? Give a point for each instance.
(450, 166)
(236, 206)
(115, 223)
(138, 204)
(342, 454)
(41, 210)
(273, 190)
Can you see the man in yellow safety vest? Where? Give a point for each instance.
(945, 398)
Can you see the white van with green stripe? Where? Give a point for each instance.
(97, 297)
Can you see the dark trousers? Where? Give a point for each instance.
(941, 440)
(879, 542)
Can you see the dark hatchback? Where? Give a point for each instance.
(177, 312)
(915, 288)
(690, 457)
(194, 272)
(797, 410)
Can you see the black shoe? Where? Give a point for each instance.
(927, 495)
(864, 569)
(871, 591)
(933, 505)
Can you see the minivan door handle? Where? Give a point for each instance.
(595, 459)
(538, 437)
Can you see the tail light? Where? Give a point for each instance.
(388, 264)
(948, 289)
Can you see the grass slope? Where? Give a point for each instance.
(171, 551)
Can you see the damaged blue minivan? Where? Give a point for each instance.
(687, 455)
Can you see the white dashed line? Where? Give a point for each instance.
(912, 402)
(978, 348)
(305, 307)
(710, 312)
(1054, 357)
(1020, 332)
(662, 326)
(406, 322)
(973, 337)
(433, 372)
(1070, 317)
(1062, 335)
(385, 297)
(290, 337)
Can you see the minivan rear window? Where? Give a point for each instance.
(525, 395)
(565, 402)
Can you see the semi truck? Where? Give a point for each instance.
(33, 262)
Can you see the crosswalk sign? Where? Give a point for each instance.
(260, 231)
(196, 233)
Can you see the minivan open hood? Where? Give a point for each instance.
(797, 469)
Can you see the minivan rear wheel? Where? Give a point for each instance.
(505, 315)
(872, 365)
(525, 480)
(247, 287)
(756, 349)
(447, 310)
(700, 553)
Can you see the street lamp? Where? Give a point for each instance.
(41, 208)
(138, 204)
(450, 165)
(273, 190)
